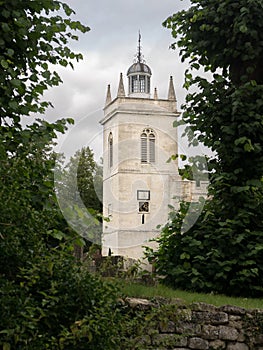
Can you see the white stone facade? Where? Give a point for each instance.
(139, 184)
(130, 227)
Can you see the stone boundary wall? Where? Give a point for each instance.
(198, 326)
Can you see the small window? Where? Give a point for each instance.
(110, 141)
(142, 83)
(143, 195)
(148, 85)
(144, 207)
(135, 84)
(109, 210)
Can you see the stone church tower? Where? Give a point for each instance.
(138, 182)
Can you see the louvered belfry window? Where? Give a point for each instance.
(151, 148)
(147, 146)
(144, 148)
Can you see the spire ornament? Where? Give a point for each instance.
(139, 56)
(121, 91)
(171, 91)
(155, 94)
(139, 75)
(108, 96)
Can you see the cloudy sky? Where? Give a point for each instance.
(109, 49)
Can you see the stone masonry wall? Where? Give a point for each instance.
(198, 326)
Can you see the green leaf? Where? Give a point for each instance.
(243, 28)
(13, 104)
(6, 346)
(4, 64)
(184, 256)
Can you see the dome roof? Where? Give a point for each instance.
(139, 67)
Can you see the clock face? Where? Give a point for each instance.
(143, 206)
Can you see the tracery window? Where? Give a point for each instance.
(147, 146)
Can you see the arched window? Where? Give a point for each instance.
(144, 152)
(147, 146)
(110, 142)
(151, 148)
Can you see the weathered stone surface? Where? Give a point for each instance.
(228, 333)
(169, 340)
(217, 344)
(235, 321)
(210, 332)
(210, 317)
(237, 346)
(143, 340)
(204, 307)
(184, 314)
(234, 310)
(235, 318)
(142, 304)
(241, 338)
(188, 328)
(167, 327)
(259, 339)
(192, 329)
(198, 343)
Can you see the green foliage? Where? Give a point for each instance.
(223, 251)
(47, 301)
(34, 36)
(195, 169)
(209, 257)
(221, 34)
(136, 289)
(54, 305)
(78, 187)
(83, 169)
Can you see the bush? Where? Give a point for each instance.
(53, 304)
(213, 256)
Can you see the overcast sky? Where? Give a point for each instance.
(109, 49)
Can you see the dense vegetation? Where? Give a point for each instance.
(79, 193)
(223, 251)
(46, 300)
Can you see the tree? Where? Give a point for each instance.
(47, 301)
(83, 169)
(79, 192)
(223, 251)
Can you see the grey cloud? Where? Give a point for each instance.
(109, 49)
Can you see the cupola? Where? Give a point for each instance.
(139, 76)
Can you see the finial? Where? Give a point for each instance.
(171, 91)
(139, 55)
(108, 96)
(121, 91)
(155, 96)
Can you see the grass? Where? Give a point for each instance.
(137, 290)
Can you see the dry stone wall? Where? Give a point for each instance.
(199, 326)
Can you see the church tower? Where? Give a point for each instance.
(138, 182)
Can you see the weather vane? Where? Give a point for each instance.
(139, 56)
